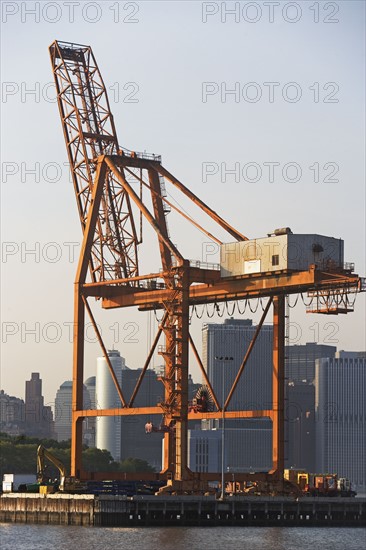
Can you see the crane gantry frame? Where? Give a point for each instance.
(104, 176)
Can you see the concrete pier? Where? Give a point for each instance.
(142, 511)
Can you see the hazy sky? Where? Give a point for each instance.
(296, 75)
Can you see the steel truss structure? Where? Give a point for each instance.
(105, 178)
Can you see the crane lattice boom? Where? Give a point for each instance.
(89, 132)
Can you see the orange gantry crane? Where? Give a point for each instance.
(107, 181)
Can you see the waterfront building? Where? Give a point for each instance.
(340, 405)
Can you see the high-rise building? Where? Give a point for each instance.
(340, 401)
(135, 442)
(300, 403)
(231, 339)
(12, 414)
(38, 417)
(300, 426)
(243, 438)
(300, 361)
(108, 428)
(89, 428)
(63, 411)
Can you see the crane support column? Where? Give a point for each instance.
(278, 390)
(181, 458)
(77, 384)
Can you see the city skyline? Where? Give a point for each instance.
(313, 416)
(49, 396)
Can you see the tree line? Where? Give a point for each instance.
(18, 455)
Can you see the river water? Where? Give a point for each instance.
(54, 537)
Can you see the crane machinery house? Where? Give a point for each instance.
(281, 250)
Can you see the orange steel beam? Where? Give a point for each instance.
(204, 373)
(77, 383)
(122, 286)
(230, 289)
(149, 411)
(105, 353)
(278, 386)
(231, 415)
(147, 362)
(247, 354)
(238, 236)
(166, 259)
(136, 199)
(79, 324)
(104, 287)
(91, 223)
(181, 372)
(102, 284)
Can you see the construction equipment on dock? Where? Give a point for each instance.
(323, 485)
(45, 483)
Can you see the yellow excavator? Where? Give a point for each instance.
(67, 483)
(45, 484)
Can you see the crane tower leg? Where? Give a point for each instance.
(181, 459)
(278, 453)
(176, 331)
(77, 384)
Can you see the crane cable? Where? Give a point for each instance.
(245, 307)
(288, 301)
(256, 309)
(156, 316)
(213, 312)
(303, 301)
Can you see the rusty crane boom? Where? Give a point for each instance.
(106, 180)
